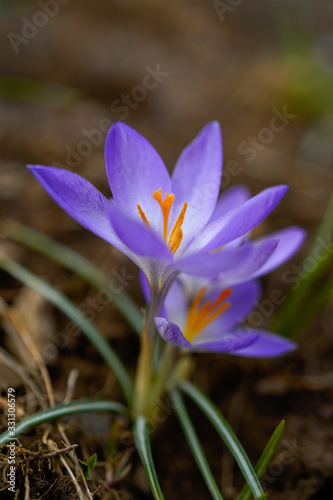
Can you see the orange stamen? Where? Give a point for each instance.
(224, 295)
(165, 205)
(197, 300)
(217, 250)
(199, 318)
(176, 235)
(143, 216)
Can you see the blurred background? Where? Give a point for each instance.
(264, 70)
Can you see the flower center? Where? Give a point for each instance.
(176, 234)
(199, 317)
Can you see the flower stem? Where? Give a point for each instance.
(159, 385)
(144, 381)
(143, 375)
(153, 367)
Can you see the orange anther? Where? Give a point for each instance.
(223, 295)
(165, 205)
(143, 216)
(199, 318)
(176, 235)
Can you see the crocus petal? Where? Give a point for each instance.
(139, 239)
(171, 332)
(176, 304)
(135, 170)
(228, 342)
(196, 179)
(231, 198)
(289, 242)
(247, 270)
(268, 345)
(242, 299)
(238, 221)
(232, 266)
(80, 199)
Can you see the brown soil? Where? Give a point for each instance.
(236, 70)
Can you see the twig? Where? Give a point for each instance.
(12, 364)
(53, 447)
(71, 384)
(27, 487)
(50, 488)
(26, 337)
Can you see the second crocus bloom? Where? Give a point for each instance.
(198, 315)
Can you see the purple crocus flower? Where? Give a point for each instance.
(243, 259)
(167, 225)
(197, 317)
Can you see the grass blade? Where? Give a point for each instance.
(227, 434)
(63, 410)
(142, 442)
(194, 444)
(265, 459)
(71, 311)
(315, 305)
(80, 265)
(286, 321)
(320, 256)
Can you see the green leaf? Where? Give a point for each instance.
(63, 410)
(289, 319)
(92, 461)
(87, 466)
(142, 442)
(78, 264)
(317, 303)
(68, 308)
(85, 469)
(265, 459)
(226, 433)
(194, 444)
